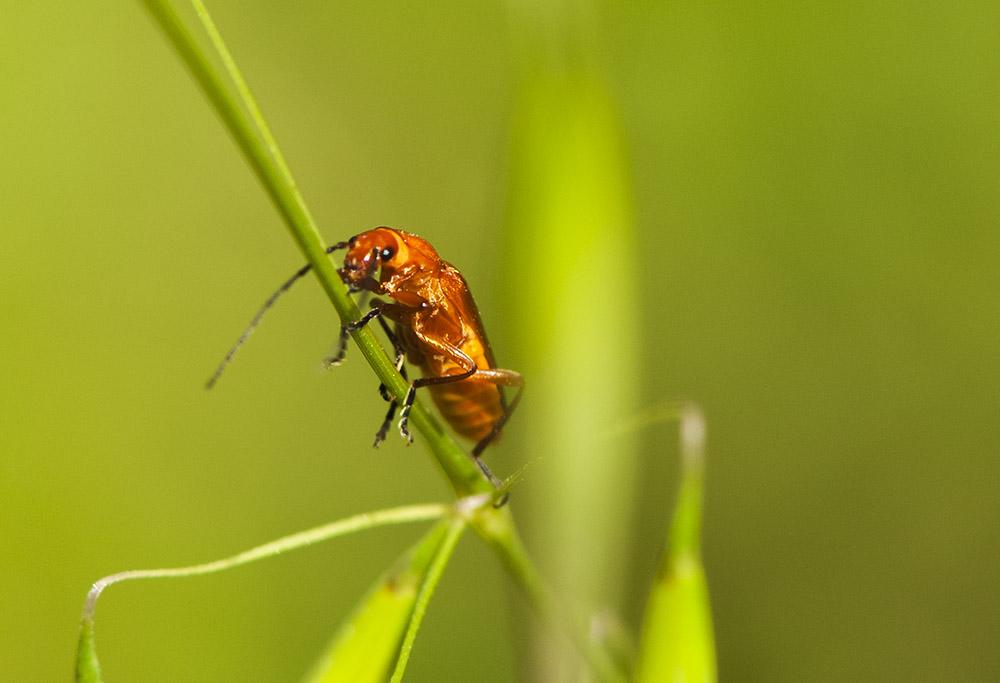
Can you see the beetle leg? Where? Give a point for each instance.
(345, 331)
(383, 431)
(391, 310)
(338, 357)
(500, 377)
(497, 376)
(492, 478)
(411, 394)
(397, 346)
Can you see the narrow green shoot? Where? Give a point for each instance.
(238, 110)
(88, 669)
(677, 642)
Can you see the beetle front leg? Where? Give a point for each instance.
(345, 332)
(338, 357)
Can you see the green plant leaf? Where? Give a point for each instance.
(88, 669)
(371, 641)
(677, 642)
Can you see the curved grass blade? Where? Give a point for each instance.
(87, 666)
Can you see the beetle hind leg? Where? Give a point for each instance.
(508, 378)
(404, 414)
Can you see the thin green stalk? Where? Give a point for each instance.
(497, 528)
(261, 151)
(249, 101)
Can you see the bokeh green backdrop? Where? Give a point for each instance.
(818, 253)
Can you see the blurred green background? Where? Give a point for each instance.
(817, 258)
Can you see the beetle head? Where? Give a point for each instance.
(396, 254)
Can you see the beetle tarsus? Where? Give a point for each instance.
(380, 436)
(383, 431)
(338, 357)
(404, 413)
(345, 331)
(497, 484)
(404, 430)
(404, 419)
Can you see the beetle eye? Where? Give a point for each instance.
(387, 253)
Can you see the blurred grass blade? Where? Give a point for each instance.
(87, 667)
(571, 286)
(615, 639)
(568, 218)
(369, 642)
(677, 642)
(455, 528)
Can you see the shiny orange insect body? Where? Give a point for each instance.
(437, 326)
(437, 329)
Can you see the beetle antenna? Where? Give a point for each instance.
(260, 314)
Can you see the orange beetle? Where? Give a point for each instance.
(437, 329)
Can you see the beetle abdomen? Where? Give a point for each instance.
(470, 406)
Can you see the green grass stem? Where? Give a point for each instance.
(240, 114)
